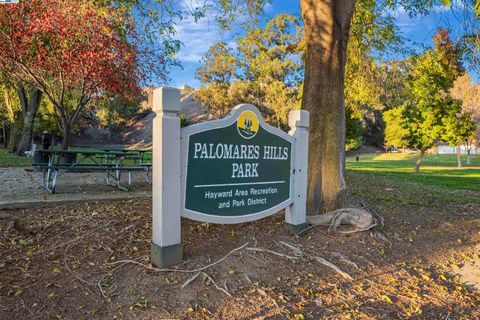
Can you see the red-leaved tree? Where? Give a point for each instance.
(72, 50)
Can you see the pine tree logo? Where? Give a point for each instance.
(247, 124)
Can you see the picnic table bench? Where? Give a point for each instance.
(112, 162)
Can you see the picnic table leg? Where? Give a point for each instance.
(49, 172)
(110, 174)
(117, 175)
(147, 172)
(51, 180)
(54, 182)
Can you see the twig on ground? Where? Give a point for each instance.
(380, 236)
(216, 286)
(190, 280)
(296, 250)
(318, 259)
(272, 252)
(248, 278)
(333, 266)
(256, 258)
(124, 262)
(65, 254)
(77, 276)
(345, 259)
(99, 286)
(72, 241)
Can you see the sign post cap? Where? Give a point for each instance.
(298, 118)
(166, 99)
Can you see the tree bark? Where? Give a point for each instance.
(5, 135)
(327, 27)
(459, 159)
(10, 143)
(66, 136)
(419, 160)
(12, 136)
(29, 114)
(469, 157)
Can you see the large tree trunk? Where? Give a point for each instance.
(10, 142)
(66, 123)
(66, 136)
(469, 156)
(419, 160)
(30, 112)
(5, 129)
(327, 26)
(459, 159)
(12, 136)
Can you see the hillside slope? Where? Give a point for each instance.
(139, 132)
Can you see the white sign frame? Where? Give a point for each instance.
(170, 154)
(230, 119)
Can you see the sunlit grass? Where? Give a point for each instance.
(435, 170)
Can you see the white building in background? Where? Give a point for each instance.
(447, 149)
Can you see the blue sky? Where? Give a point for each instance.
(197, 37)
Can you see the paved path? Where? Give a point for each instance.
(21, 187)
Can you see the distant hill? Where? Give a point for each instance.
(139, 132)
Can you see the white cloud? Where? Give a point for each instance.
(197, 38)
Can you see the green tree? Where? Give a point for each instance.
(12, 114)
(459, 127)
(218, 65)
(264, 70)
(429, 106)
(469, 94)
(353, 130)
(397, 130)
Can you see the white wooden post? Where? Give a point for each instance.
(166, 248)
(295, 214)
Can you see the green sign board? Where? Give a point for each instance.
(236, 169)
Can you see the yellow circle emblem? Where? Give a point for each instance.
(247, 124)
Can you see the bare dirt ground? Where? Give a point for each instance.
(74, 267)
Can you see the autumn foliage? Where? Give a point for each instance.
(72, 39)
(72, 50)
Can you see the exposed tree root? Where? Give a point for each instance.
(15, 223)
(360, 218)
(151, 268)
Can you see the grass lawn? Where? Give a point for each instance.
(9, 159)
(436, 170)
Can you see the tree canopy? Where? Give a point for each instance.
(430, 113)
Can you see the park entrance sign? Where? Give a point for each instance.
(234, 170)
(237, 169)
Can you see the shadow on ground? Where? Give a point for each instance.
(407, 271)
